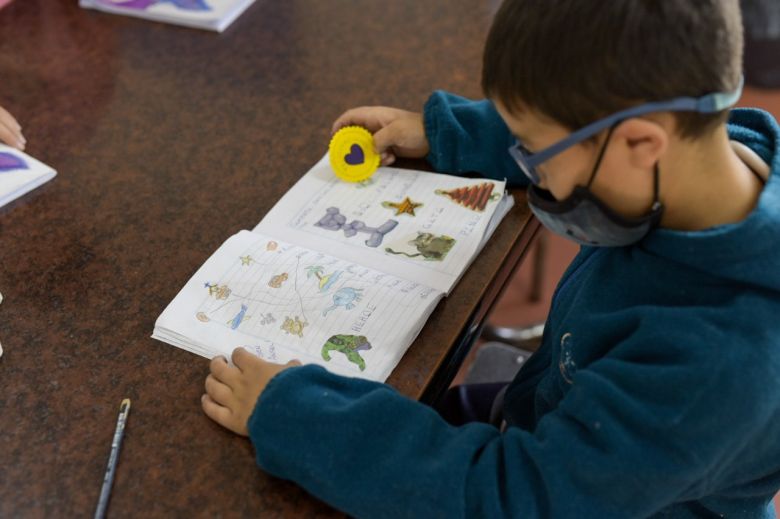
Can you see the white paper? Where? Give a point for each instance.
(283, 302)
(20, 174)
(215, 15)
(433, 246)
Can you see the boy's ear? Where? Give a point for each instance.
(645, 141)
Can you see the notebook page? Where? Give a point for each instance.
(285, 302)
(205, 14)
(20, 173)
(421, 226)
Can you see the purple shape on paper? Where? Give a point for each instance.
(191, 5)
(130, 4)
(355, 156)
(10, 162)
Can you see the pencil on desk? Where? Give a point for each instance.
(105, 491)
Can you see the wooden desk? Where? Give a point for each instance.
(167, 141)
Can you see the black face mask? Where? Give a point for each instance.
(587, 220)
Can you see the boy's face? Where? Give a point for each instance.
(624, 179)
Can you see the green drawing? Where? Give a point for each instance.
(429, 246)
(349, 345)
(325, 281)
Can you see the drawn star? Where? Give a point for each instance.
(246, 260)
(404, 207)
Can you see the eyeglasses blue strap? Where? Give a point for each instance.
(708, 104)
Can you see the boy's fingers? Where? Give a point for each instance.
(216, 412)
(222, 370)
(241, 358)
(9, 120)
(218, 391)
(386, 138)
(365, 116)
(352, 116)
(387, 158)
(11, 137)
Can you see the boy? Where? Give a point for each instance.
(656, 391)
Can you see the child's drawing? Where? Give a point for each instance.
(271, 246)
(345, 297)
(406, 206)
(335, 221)
(429, 247)
(240, 316)
(349, 345)
(246, 260)
(473, 197)
(219, 292)
(266, 350)
(202, 317)
(294, 326)
(276, 281)
(190, 5)
(325, 281)
(267, 319)
(10, 162)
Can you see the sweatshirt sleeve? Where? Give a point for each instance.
(468, 136)
(622, 443)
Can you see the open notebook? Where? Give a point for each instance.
(20, 173)
(215, 15)
(338, 274)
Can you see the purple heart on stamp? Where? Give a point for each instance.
(355, 156)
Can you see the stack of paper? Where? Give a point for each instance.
(20, 173)
(215, 15)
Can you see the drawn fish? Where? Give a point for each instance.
(240, 316)
(345, 297)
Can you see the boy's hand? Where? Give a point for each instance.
(397, 133)
(10, 131)
(232, 392)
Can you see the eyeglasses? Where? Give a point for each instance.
(707, 104)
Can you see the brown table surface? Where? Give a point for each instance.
(167, 141)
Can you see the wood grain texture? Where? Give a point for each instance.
(167, 141)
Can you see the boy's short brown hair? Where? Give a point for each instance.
(578, 60)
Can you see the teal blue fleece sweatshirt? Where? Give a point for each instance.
(656, 391)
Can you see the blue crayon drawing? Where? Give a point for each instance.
(345, 297)
(10, 162)
(141, 5)
(240, 316)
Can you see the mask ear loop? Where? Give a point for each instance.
(601, 154)
(656, 188)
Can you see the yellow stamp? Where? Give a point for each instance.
(352, 154)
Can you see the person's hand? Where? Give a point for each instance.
(232, 392)
(10, 130)
(397, 133)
